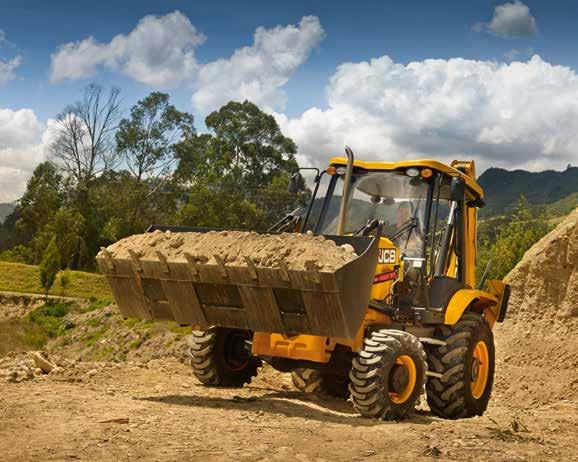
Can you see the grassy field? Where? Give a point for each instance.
(16, 277)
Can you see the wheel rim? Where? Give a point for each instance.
(403, 365)
(480, 369)
(236, 356)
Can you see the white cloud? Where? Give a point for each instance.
(8, 66)
(159, 51)
(522, 114)
(22, 141)
(258, 72)
(510, 20)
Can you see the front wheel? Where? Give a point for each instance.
(387, 376)
(466, 365)
(221, 357)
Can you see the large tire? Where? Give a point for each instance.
(320, 382)
(467, 363)
(388, 375)
(218, 357)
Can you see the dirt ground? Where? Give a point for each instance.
(158, 411)
(154, 409)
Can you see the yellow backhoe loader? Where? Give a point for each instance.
(405, 314)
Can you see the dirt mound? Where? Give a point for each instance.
(545, 282)
(538, 343)
(266, 250)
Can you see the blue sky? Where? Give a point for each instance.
(511, 51)
(356, 31)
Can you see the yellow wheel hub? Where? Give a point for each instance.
(410, 371)
(480, 369)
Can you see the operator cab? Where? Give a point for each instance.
(425, 209)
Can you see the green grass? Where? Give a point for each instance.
(36, 328)
(93, 337)
(17, 277)
(94, 322)
(564, 206)
(96, 304)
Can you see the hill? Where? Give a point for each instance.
(504, 187)
(5, 210)
(17, 277)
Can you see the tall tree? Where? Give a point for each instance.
(146, 143)
(146, 139)
(238, 172)
(84, 147)
(84, 142)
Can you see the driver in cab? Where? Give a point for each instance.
(409, 237)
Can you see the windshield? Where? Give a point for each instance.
(394, 198)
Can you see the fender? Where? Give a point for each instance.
(464, 298)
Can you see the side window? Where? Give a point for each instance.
(329, 225)
(438, 221)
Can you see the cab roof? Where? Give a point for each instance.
(471, 183)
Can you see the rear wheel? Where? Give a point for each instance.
(388, 375)
(320, 382)
(220, 357)
(466, 364)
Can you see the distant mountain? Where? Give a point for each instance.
(5, 210)
(503, 188)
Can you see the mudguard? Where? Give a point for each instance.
(464, 298)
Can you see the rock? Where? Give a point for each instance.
(348, 248)
(42, 362)
(92, 373)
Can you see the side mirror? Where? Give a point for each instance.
(295, 183)
(457, 189)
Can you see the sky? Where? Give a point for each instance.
(496, 82)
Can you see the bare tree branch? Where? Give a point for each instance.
(84, 144)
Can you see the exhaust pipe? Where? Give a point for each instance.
(346, 190)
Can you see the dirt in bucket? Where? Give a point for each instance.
(265, 250)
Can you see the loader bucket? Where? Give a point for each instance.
(260, 299)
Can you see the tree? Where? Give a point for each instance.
(526, 226)
(145, 140)
(43, 197)
(10, 237)
(84, 148)
(146, 143)
(41, 201)
(239, 171)
(68, 230)
(84, 143)
(49, 266)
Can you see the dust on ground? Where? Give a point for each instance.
(151, 408)
(265, 250)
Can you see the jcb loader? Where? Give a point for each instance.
(405, 313)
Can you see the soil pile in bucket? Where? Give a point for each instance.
(537, 345)
(265, 250)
